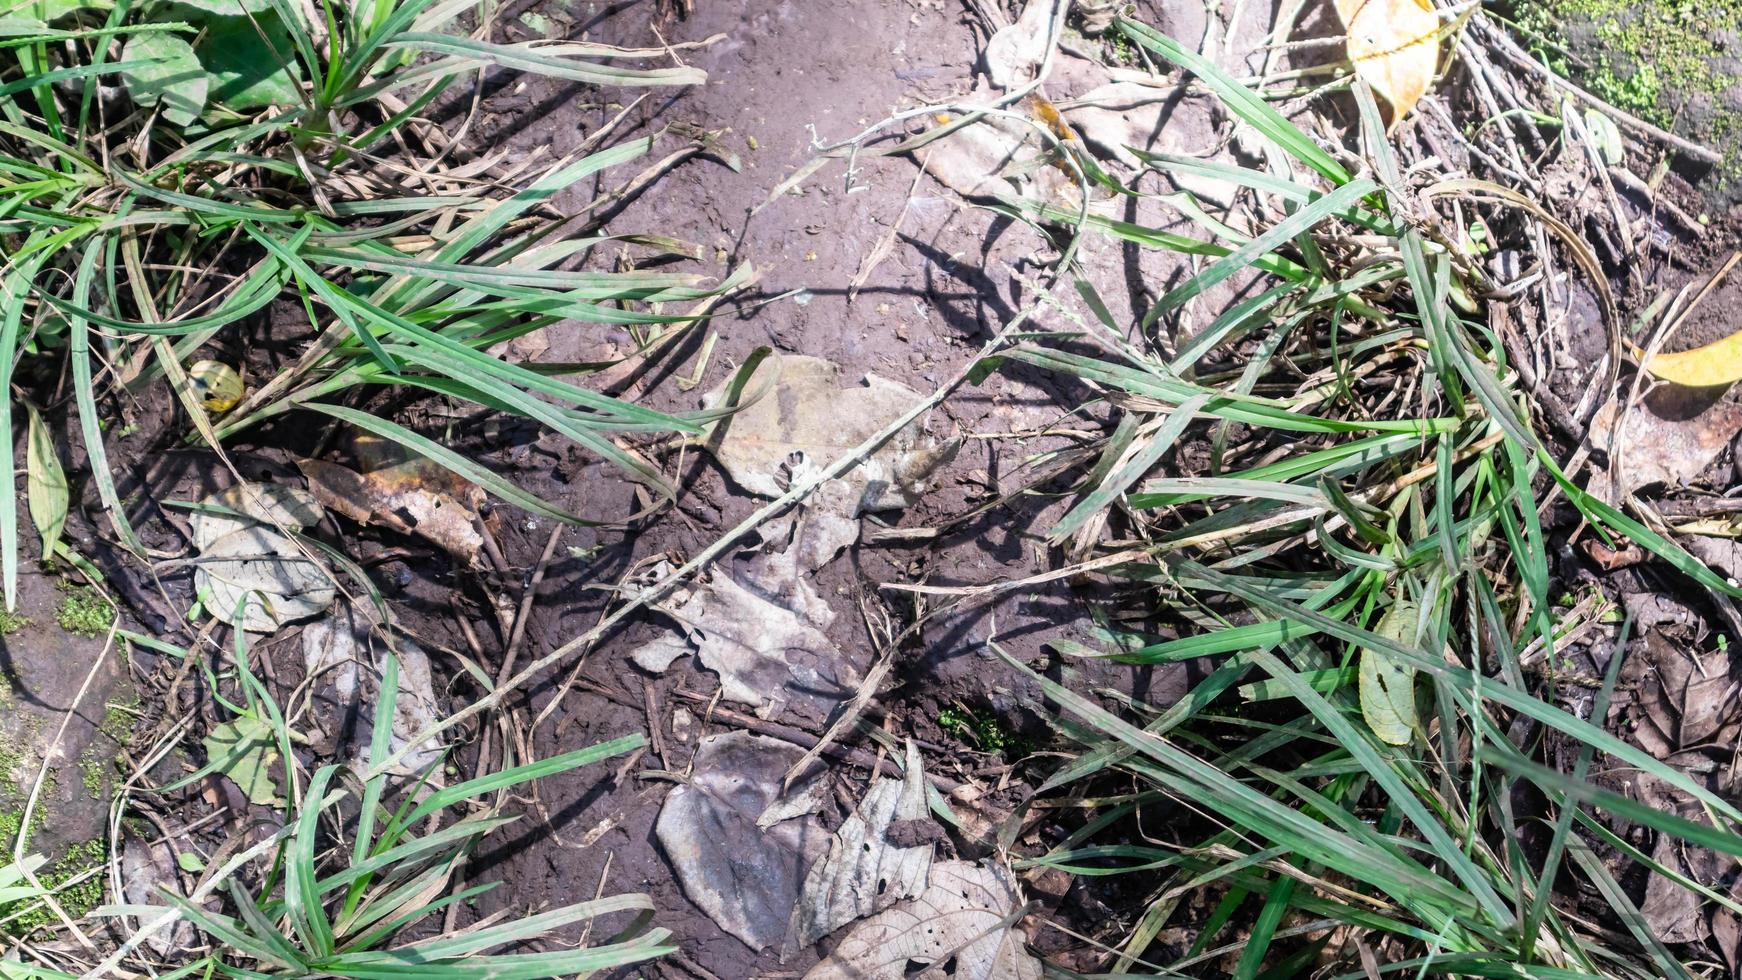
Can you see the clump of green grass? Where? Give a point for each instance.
(171, 170)
(1325, 541)
(83, 611)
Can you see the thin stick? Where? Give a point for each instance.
(801, 489)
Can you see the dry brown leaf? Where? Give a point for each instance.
(866, 871)
(406, 498)
(960, 917)
(1394, 46)
(745, 876)
(1668, 439)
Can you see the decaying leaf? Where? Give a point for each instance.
(1668, 439)
(245, 750)
(259, 503)
(1394, 46)
(408, 498)
(46, 482)
(1717, 363)
(865, 871)
(809, 417)
(1014, 52)
(962, 915)
(218, 385)
(1388, 687)
(998, 158)
(343, 657)
(147, 870)
(1675, 914)
(767, 655)
(258, 579)
(744, 876)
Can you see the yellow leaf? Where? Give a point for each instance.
(218, 385)
(1717, 363)
(1394, 46)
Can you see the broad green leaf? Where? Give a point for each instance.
(251, 65)
(244, 750)
(171, 76)
(1388, 685)
(46, 482)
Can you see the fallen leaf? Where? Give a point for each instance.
(745, 877)
(244, 750)
(1387, 686)
(1668, 439)
(256, 503)
(959, 916)
(1001, 159)
(1717, 363)
(45, 482)
(404, 499)
(1609, 559)
(146, 872)
(865, 872)
(810, 417)
(1394, 46)
(1015, 51)
(344, 659)
(258, 579)
(766, 654)
(1674, 913)
(217, 384)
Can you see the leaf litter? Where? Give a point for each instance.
(761, 627)
(344, 656)
(866, 871)
(744, 875)
(249, 573)
(965, 914)
(406, 495)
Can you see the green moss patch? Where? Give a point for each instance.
(77, 899)
(84, 612)
(1675, 63)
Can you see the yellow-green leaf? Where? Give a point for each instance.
(217, 384)
(45, 481)
(1717, 363)
(1388, 687)
(244, 750)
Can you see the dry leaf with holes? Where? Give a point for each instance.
(960, 923)
(871, 863)
(411, 498)
(1394, 46)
